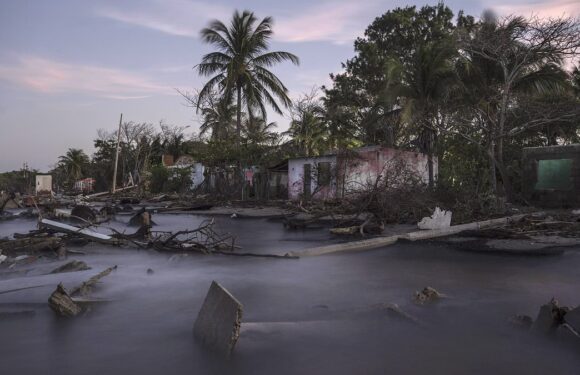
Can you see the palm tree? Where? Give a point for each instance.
(308, 128)
(240, 65)
(420, 88)
(218, 118)
(259, 131)
(74, 162)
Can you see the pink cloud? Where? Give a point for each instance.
(546, 8)
(338, 22)
(49, 76)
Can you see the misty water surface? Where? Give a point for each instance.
(146, 328)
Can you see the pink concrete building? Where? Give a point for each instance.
(338, 174)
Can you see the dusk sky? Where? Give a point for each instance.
(70, 67)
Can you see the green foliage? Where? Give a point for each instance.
(18, 181)
(239, 66)
(158, 179)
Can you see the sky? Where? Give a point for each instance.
(71, 67)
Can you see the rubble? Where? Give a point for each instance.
(65, 304)
(440, 219)
(62, 304)
(218, 323)
(427, 295)
(84, 212)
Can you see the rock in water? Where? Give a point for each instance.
(218, 323)
(427, 295)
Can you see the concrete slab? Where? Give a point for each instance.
(218, 323)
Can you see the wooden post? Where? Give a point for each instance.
(117, 156)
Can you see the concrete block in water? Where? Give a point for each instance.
(218, 323)
(439, 220)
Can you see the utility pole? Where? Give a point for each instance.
(117, 156)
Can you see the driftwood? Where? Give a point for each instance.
(63, 302)
(72, 266)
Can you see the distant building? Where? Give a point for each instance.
(551, 175)
(186, 161)
(43, 184)
(337, 174)
(86, 185)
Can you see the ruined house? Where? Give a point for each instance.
(551, 175)
(43, 184)
(338, 174)
(186, 162)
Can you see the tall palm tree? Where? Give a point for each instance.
(420, 88)
(239, 67)
(74, 162)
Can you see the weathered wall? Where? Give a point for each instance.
(551, 175)
(296, 178)
(197, 175)
(43, 183)
(356, 173)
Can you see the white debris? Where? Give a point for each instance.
(3, 258)
(439, 220)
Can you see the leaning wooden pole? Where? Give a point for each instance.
(117, 156)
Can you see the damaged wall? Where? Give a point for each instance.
(332, 176)
(303, 177)
(370, 162)
(551, 175)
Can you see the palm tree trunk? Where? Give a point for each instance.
(239, 115)
(239, 136)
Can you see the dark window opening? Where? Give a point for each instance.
(323, 173)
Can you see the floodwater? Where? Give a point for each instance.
(146, 328)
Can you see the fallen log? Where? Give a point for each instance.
(87, 286)
(377, 242)
(72, 266)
